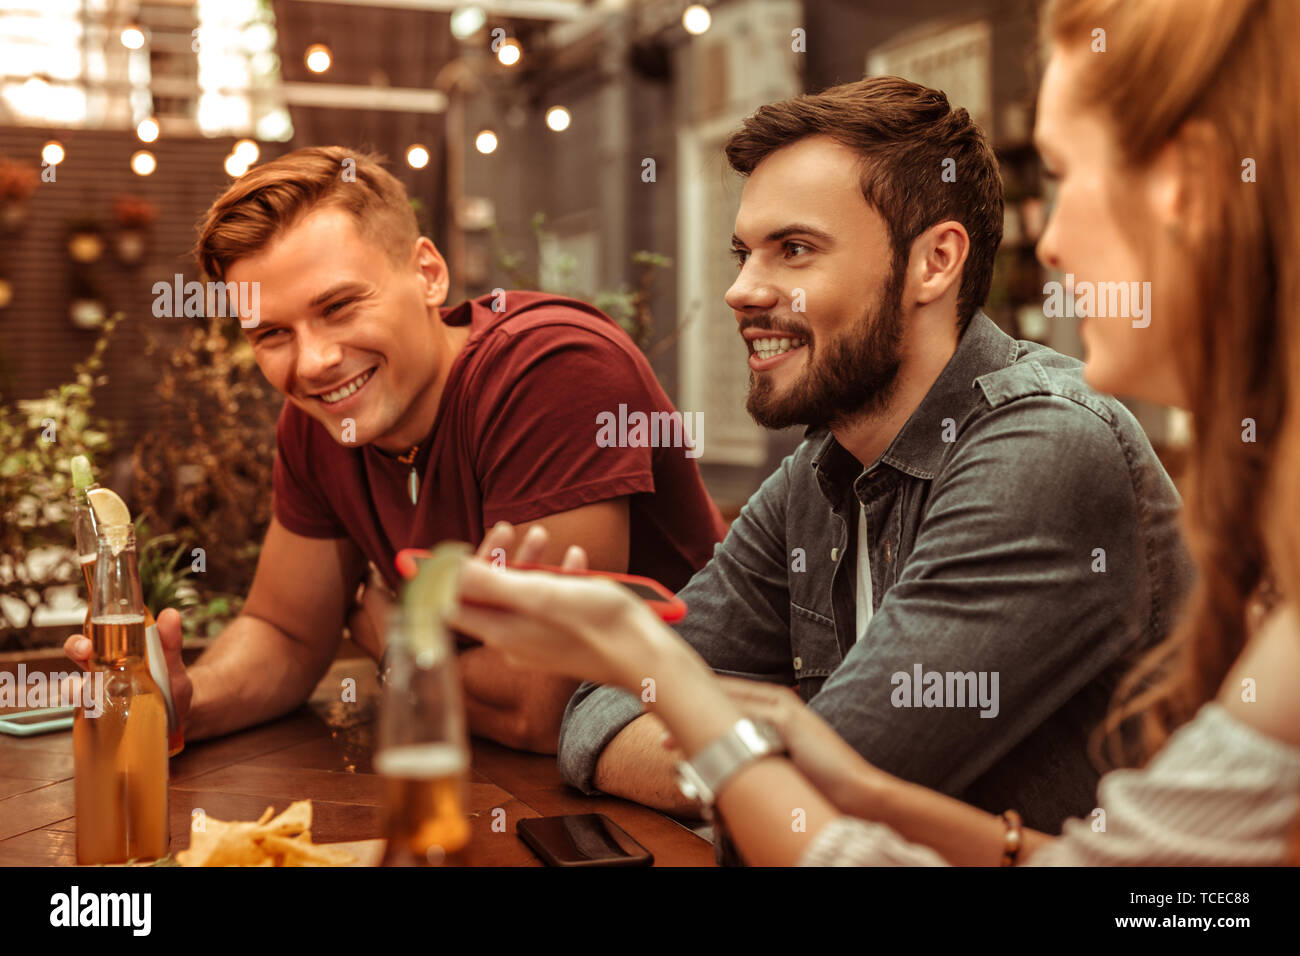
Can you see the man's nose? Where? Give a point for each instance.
(751, 292)
(317, 356)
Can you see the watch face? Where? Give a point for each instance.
(687, 784)
(750, 736)
(758, 736)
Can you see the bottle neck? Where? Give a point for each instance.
(83, 523)
(117, 615)
(117, 640)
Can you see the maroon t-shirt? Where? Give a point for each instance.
(515, 439)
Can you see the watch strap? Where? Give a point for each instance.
(704, 775)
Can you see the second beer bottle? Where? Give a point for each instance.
(86, 526)
(120, 744)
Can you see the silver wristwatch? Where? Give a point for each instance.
(701, 778)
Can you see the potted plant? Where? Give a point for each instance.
(85, 241)
(86, 308)
(17, 184)
(134, 217)
(37, 548)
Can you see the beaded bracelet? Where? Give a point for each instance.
(1011, 843)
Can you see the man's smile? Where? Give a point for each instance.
(769, 349)
(335, 395)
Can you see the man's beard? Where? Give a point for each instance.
(854, 378)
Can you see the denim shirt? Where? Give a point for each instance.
(1023, 543)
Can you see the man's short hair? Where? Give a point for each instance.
(904, 132)
(268, 199)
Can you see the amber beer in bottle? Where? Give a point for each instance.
(424, 809)
(423, 752)
(121, 754)
(85, 525)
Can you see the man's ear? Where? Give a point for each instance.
(938, 259)
(433, 269)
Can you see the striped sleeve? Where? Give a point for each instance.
(846, 841)
(1220, 793)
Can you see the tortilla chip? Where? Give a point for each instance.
(283, 840)
(294, 819)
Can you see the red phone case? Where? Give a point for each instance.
(664, 603)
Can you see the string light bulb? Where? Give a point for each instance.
(318, 58)
(246, 151)
(143, 163)
(558, 119)
(696, 19)
(467, 21)
(510, 52)
(417, 157)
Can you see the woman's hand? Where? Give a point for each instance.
(498, 547)
(585, 628)
(822, 755)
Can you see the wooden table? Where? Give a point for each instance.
(323, 752)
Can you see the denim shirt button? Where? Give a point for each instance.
(798, 663)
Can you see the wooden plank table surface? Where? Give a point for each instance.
(321, 751)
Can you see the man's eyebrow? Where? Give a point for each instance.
(785, 232)
(350, 285)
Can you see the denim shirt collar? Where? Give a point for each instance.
(917, 450)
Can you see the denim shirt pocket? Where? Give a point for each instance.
(815, 651)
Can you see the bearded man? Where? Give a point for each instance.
(954, 566)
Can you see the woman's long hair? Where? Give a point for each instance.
(1221, 77)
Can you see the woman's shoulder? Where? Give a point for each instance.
(1262, 689)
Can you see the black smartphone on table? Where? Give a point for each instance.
(583, 839)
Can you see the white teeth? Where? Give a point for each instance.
(772, 347)
(341, 393)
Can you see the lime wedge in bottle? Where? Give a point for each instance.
(428, 597)
(108, 506)
(82, 476)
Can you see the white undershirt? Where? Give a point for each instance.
(864, 576)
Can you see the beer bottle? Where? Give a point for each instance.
(120, 740)
(423, 752)
(85, 523)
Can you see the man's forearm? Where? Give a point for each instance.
(636, 766)
(253, 672)
(519, 708)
